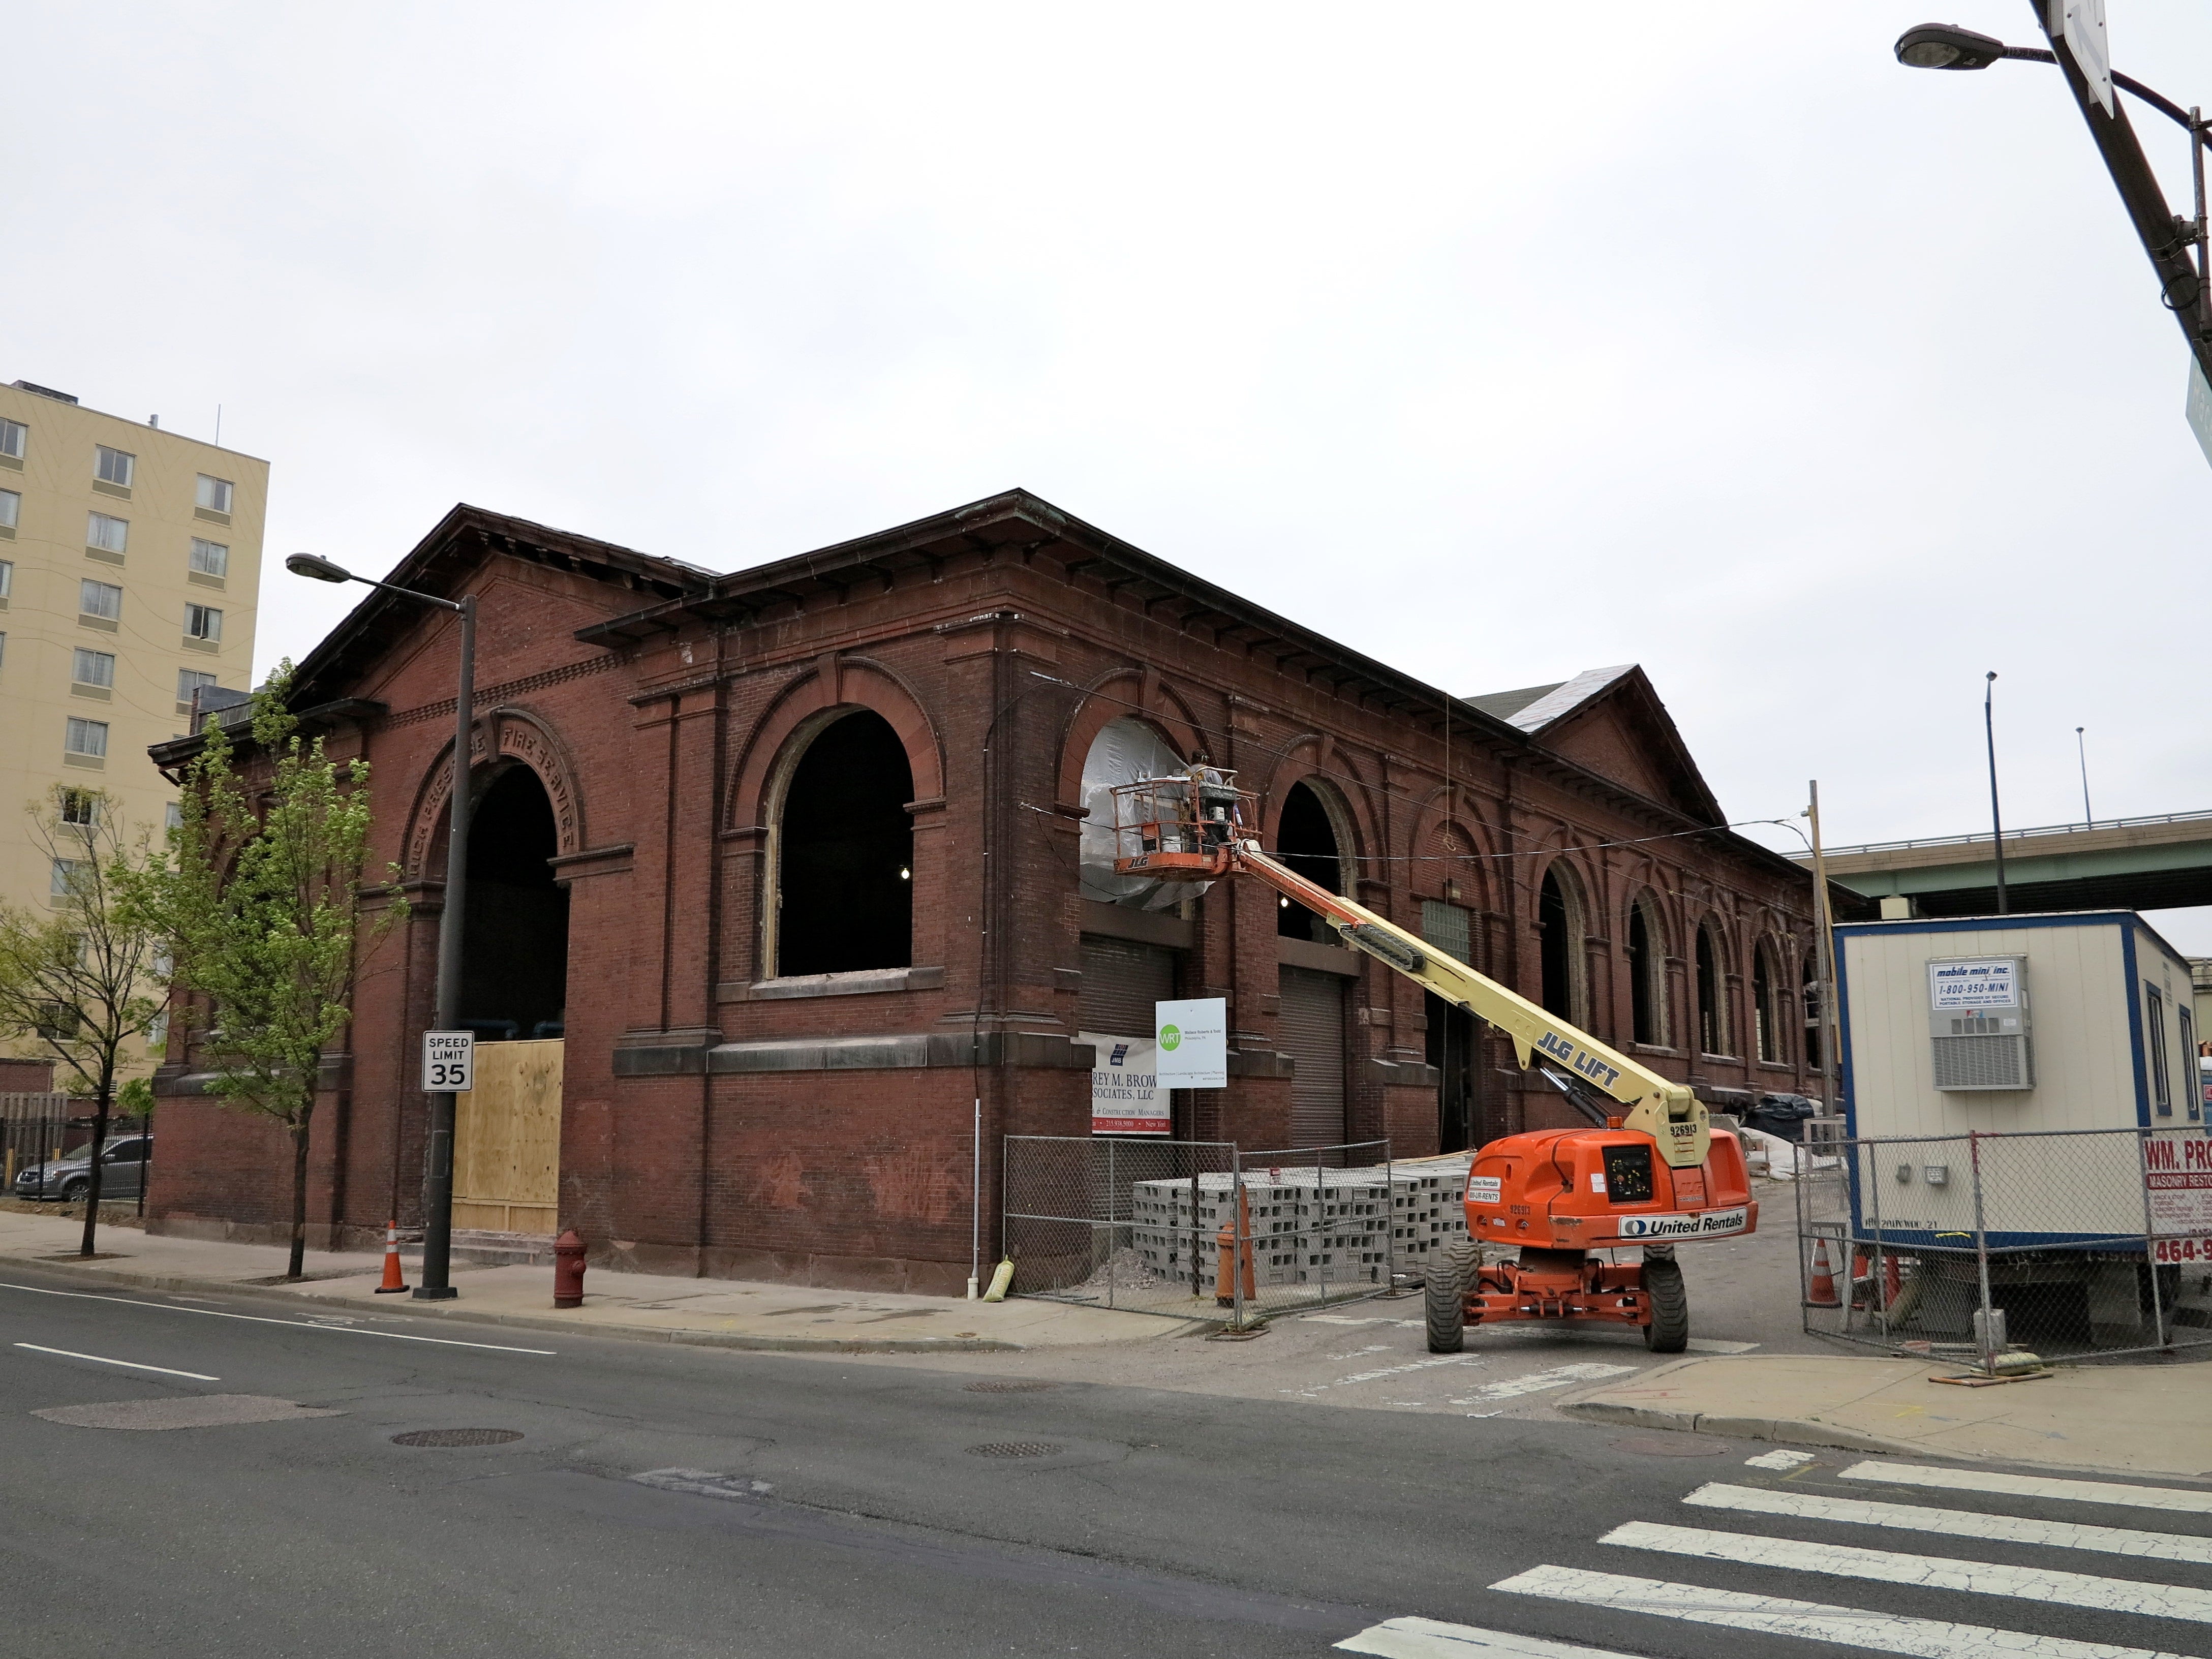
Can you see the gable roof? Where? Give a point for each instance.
(1611, 721)
(1506, 704)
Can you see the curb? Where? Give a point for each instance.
(125, 1279)
(1784, 1430)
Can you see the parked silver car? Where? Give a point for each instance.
(121, 1173)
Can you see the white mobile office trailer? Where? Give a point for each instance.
(2013, 1024)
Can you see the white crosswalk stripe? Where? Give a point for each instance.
(1955, 1523)
(1867, 1630)
(1876, 1633)
(2030, 1485)
(2078, 1589)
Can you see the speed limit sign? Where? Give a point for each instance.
(449, 1061)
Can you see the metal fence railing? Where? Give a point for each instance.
(1997, 1251)
(1155, 1226)
(38, 1130)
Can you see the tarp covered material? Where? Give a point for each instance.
(1124, 751)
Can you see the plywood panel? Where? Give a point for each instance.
(506, 1140)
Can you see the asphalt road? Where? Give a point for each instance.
(665, 1501)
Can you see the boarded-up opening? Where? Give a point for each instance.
(506, 1140)
(1313, 1036)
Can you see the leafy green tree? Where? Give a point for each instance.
(259, 902)
(80, 980)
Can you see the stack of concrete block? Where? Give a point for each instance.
(1309, 1226)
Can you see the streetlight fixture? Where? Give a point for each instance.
(438, 1179)
(2186, 288)
(1996, 820)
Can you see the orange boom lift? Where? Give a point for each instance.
(1648, 1174)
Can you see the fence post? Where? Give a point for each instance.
(1389, 1223)
(1112, 1226)
(1321, 1214)
(1239, 1243)
(1197, 1272)
(2150, 1236)
(1875, 1277)
(1982, 1256)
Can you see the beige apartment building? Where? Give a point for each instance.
(130, 563)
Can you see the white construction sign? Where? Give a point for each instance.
(449, 1062)
(1126, 1096)
(1993, 982)
(2178, 1173)
(1194, 1042)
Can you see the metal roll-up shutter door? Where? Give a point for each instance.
(1313, 1036)
(1122, 981)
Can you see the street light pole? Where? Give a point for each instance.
(437, 1284)
(2081, 750)
(1996, 821)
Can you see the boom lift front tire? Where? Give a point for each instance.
(1669, 1329)
(1443, 1298)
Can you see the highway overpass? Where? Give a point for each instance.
(2159, 863)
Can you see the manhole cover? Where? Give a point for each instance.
(1661, 1447)
(456, 1437)
(1009, 1385)
(1015, 1449)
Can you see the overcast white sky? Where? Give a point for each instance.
(1497, 342)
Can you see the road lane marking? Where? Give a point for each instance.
(1388, 1371)
(1431, 1638)
(1538, 1382)
(1956, 1523)
(2033, 1486)
(102, 1359)
(1814, 1621)
(1779, 1460)
(2074, 1589)
(258, 1319)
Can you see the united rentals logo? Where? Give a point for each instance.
(1707, 1223)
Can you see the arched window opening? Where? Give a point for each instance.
(1712, 996)
(1305, 840)
(514, 941)
(1812, 1023)
(845, 853)
(1559, 930)
(1646, 975)
(1766, 1007)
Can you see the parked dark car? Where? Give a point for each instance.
(123, 1171)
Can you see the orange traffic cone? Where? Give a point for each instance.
(1822, 1293)
(392, 1282)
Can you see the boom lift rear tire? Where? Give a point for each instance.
(1443, 1300)
(1669, 1329)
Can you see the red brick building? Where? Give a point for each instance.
(791, 860)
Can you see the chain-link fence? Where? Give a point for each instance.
(1995, 1251)
(1204, 1230)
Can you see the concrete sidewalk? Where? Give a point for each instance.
(706, 1312)
(2139, 1419)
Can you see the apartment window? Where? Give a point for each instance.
(2191, 1074)
(190, 680)
(12, 433)
(62, 877)
(7, 576)
(109, 535)
(2161, 1080)
(87, 738)
(157, 1032)
(172, 816)
(203, 622)
(114, 465)
(215, 493)
(103, 599)
(11, 509)
(93, 667)
(211, 558)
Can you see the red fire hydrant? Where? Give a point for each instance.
(568, 1270)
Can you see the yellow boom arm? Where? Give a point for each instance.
(1665, 1110)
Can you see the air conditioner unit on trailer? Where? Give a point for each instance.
(1978, 1023)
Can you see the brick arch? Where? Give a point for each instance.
(1156, 704)
(805, 705)
(1442, 822)
(510, 735)
(1320, 769)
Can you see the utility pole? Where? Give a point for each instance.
(1830, 1028)
(1996, 820)
(2088, 819)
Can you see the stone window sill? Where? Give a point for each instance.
(865, 982)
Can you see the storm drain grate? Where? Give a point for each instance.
(1015, 1449)
(457, 1436)
(1009, 1385)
